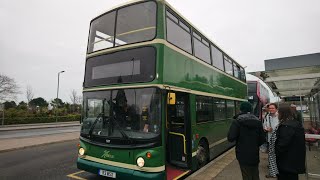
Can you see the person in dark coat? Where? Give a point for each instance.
(297, 114)
(248, 133)
(290, 145)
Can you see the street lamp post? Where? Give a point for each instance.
(57, 95)
(2, 109)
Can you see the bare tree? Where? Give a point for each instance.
(8, 88)
(29, 94)
(80, 99)
(75, 99)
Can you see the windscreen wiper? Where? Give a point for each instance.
(119, 127)
(94, 123)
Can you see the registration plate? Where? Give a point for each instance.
(107, 173)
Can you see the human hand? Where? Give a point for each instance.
(146, 128)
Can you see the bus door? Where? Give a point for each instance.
(178, 130)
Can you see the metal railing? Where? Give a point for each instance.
(317, 138)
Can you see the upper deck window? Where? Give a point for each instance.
(102, 32)
(228, 65)
(178, 33)
(201, 48)
(242, 74)
(135, 23)
(236, 71)
(217, 58)
(184, 36)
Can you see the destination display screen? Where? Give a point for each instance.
(128, 66)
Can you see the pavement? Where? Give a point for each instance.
(38, 126)
(226, 167)
(24, 142)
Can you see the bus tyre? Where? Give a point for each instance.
(202, 154)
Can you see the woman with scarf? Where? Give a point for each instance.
(270, 125)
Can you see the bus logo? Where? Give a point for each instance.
(107, 154)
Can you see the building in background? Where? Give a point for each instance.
(296, 79)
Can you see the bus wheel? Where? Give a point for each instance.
(202, 154)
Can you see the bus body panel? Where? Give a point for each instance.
(121, 173)
(157, 156)
(208, 80)
(175, 68)
(181, 71)
(123, 161)
(109, 154)
(214, 132)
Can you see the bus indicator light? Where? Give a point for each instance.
(148, 155)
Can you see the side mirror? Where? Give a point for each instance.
(171, 98)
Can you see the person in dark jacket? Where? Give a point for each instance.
(248, 133)
(290, 145)
(297, 114)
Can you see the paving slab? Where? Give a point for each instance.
(226, 167)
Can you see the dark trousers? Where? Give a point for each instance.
(249, 172)
(287, 176)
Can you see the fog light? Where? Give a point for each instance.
(140, 162)
(81, 151)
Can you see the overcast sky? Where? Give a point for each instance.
(39, 38)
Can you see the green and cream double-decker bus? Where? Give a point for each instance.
(158, 95)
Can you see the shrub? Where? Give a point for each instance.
(37, 119)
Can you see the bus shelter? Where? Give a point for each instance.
(297, 80)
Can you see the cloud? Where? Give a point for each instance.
(41, 38)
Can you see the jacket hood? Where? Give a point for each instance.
(237, 115)
(249, 120)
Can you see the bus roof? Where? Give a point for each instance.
(177, 12)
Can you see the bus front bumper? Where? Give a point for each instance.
(121, 173)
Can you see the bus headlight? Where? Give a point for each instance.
(140, 162)
(81, 151)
